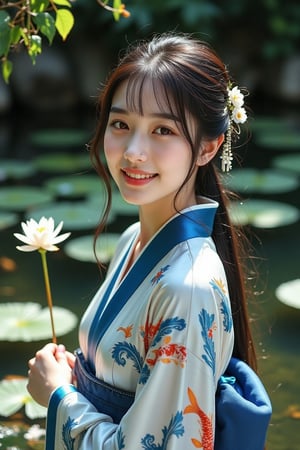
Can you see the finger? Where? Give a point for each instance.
(61, 357)
(71, 359)
(61, 348)
(50, 347)
(60, 353)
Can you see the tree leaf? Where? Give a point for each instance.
(46, 25)
(4, 33)
(39, 5)
(7, 67)
(62, 3)
(117, 7)
(4, 42)
(15, 34)
(64, 22)
(35, 47)
(4, 21)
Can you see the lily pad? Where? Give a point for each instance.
(81, 248)
(279, 140)
(59, 137)
(76, 216)
(290, 162)
(263, 213)
(75, 185)
(30, 322)
(22, 198)
(14, 396)
(62, 162)
(15, 169)
(261, 181)
(289, 293)
(7, 219)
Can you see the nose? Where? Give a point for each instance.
(135, 150)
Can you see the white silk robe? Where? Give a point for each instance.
(169, 344)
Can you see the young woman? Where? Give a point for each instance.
(161, 331)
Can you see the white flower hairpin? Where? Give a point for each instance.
(237, 115)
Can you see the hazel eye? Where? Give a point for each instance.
(163, 131)
(119, 125)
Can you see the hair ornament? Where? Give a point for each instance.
(237, 116)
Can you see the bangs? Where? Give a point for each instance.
(163, 96)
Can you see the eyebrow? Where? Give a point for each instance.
(163, 115)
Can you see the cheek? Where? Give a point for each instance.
(106, 142)
(110, 147)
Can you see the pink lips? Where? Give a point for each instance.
(137, 177)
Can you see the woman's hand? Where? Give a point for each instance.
(51, 368)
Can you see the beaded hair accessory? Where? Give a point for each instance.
(237, 115)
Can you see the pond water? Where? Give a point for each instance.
(74, 283)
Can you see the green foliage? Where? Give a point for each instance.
(64, 22)
(265, 28)
(45, 24)
(26, 22)
(34, 47)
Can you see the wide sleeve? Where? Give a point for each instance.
(188, 338)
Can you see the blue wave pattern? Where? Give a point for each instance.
(207, 322)
(124, 351)
(66, 434)
(218, 286)
(166, 328)
(175, 428)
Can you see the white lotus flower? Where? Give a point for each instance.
(236, 98)
(239, 115)
(40, 235)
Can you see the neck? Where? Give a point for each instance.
(153, 216)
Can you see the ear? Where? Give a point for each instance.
(208, 150)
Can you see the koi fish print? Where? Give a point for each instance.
(206, 441)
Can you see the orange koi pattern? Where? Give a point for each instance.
(206, 433)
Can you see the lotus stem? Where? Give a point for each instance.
(48, 291)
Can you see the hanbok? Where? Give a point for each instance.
(161, 331)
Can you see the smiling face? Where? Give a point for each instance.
(147, 153)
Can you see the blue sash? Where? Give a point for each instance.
(243, 409)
